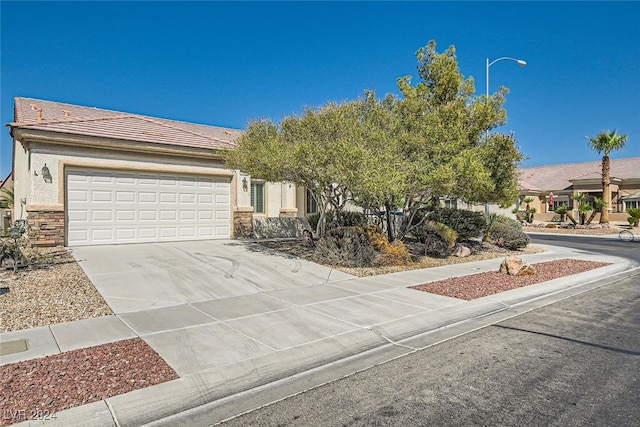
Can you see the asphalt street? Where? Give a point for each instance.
(572, 363)
(607, 246)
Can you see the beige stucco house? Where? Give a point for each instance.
(89, 176)
(551, 186)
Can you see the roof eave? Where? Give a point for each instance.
(27, 136)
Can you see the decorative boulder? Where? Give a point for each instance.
(461, 251)
(515, 266)
(526, 270)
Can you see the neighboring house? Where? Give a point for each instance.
(88, 176)
(565, 180)
(5, 209)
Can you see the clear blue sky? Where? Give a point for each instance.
(227, 63)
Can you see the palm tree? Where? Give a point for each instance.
(598, 205)
(582, 212)
(603, 143)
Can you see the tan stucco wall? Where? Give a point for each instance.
(21, 181)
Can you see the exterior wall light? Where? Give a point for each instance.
(245, 184)
(46, 175)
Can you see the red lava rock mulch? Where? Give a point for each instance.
(489, 283)
(39, 388)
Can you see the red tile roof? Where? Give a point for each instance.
(559, 177)
(88, 121)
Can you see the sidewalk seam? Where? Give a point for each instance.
(112, 413)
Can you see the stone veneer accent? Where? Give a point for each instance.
(288, 212)
(46, 227)
(243, 222)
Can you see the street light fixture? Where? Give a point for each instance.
(520, 62)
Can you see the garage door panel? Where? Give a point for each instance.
(222, 199)
(205, 199)
(98, 196)
(168, 232)
(106, 207)
(187, 198)
(128, 215)
(168, 215)
(78, 195)
(204, 215)
(223, 215)
(148, 197)
(102, 234)
(168, 198)
(126, 234)
(78, 216)
(148, 216)
(101, 215)
(125, 196)
(102, 179)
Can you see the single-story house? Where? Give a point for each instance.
(89, 176)
(551, 186)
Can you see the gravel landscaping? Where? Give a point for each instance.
(492, 282)
(52, 289)
(39, 388)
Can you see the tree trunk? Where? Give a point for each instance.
(606, 192)
(387, 208)
(593, 215)
(571, 218)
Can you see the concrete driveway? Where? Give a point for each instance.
(153, 275)
(211, 305)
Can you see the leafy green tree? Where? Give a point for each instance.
(604, 143)
(395, 153)
(314, 150)
(441, 138)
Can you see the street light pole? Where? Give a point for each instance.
(521, 63)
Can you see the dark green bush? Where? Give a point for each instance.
(508, 237)
(438, 239)
(347, 247)
(467, 224)
(313, 220)
(352, 219)
(345, 219)
(503, 219)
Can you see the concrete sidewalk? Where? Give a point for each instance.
(228, 318)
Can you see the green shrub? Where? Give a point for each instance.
(467, 224)
(503, 219)
(508, 237)
(634, 216)
(346, 247)
(313, 220)
(438, 239)
(352, 219)
(345, 219)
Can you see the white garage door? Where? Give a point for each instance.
(106, 207)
